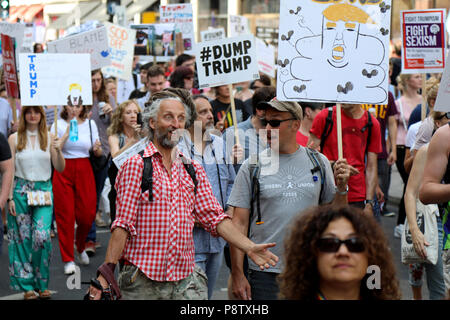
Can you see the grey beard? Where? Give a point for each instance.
(164, 140)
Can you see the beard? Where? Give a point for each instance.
(162, 136)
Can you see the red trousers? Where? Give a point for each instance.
(75, 200)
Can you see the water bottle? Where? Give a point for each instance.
(73, 131)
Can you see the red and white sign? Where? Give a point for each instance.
(9, 66)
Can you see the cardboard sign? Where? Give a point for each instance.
(334, 51)
(266, 58)
(238, 26)
(212, 34)
(121, 47)
(9, 66)
(14, 30)
(54, 78)
(94, 42)
(423, 45)
(154, 39)
(181, 15)
(443, 98)
(226, 61)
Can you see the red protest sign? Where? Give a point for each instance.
(9, 66)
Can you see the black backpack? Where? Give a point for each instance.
(147, 175)
(255, 170)
(329, 126)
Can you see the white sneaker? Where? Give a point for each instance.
(69, 268)
(83, 258)
(398, 230)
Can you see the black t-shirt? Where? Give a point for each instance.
(5, 151)
(219, 109)
(137, 94)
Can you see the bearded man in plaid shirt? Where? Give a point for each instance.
(154, 239)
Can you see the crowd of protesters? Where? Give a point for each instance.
(190, 201)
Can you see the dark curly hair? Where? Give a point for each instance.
(178, 75)
(300, 278)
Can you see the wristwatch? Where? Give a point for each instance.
(342, 193)
(371, 202)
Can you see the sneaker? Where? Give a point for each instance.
(83, 258)
(90, 248)
(398, 230)
(388, 214)
(69, 268)
(99, 221)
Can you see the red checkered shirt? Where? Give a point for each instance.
(161, 244)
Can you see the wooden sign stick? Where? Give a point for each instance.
(339, 131)
(55, 110)
(12, 102)
(424, 96)
(233, 113)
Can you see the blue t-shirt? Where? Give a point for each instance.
(416, 115)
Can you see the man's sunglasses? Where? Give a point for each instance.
(333, 244)
(274, 123)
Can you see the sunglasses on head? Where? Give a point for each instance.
(274, 123)
(333, 244)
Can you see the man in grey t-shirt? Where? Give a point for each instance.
(287, 187)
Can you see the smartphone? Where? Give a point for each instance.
(139, 119)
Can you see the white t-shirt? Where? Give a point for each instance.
(411, 135)
(80, 148)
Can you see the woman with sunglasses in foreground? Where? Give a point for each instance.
(327, 255)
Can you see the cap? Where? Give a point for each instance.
(284, 106)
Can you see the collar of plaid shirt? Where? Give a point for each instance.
(161, 243)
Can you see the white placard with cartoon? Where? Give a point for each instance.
(266, 57)
(238, 26)
(334, 51)
(55, 78)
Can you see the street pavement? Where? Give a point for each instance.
(66, 288)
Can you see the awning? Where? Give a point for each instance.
(67, 14)
(24, 13)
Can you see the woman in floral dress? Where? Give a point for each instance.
(34, 150)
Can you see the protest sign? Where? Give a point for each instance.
(54, 78)
(423, 45)
(212, 34)
(181, 15)
(443, 98)
(331, 51)
(266, 58)
(131, 151)
(28, 39)
(154, 39)
(9, 66)
(226, 61)
(14, 30)
(94, 42)
(238, 26)
(121, 47)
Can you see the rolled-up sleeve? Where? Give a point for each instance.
(208, 211)
(128, 186)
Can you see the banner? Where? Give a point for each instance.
(154, 39)
(9, 66)
(94, 42)
(54, 78)
(423, 45)
(238, 26)
(331, 51)
(121, 48)
(226, 61)
(443, 98)
(212, 34)
(181, 15)
(266, 57)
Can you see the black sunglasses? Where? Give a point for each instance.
(333, 244)
(274, 123)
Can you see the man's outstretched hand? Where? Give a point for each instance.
(260, 255)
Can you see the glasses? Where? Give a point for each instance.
(274, 123)
(445, 115)
(333, 244)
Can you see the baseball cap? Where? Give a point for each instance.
(284, 106)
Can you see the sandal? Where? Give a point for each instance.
(46, 294)
(30, 295)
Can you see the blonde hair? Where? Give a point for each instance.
(432, 88)
(346, 12)
(22, 129)
(116, 126)
(402, 81)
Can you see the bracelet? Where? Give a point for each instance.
(342, 193)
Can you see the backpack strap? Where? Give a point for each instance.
(190, 169)
(368, 126)
(328, 127)
(318, 164)
(147, 176)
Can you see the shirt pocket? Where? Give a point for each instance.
(187, 190)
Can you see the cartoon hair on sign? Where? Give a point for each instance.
(74, 98)
(339, 57)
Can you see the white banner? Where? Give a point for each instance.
(53, 78)
(443, 98)
(212, 34)
(181, 15)
(226, 61)
(238, 26)
(121, 50)
(334, 52)
(266, 57)
(94, 42)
